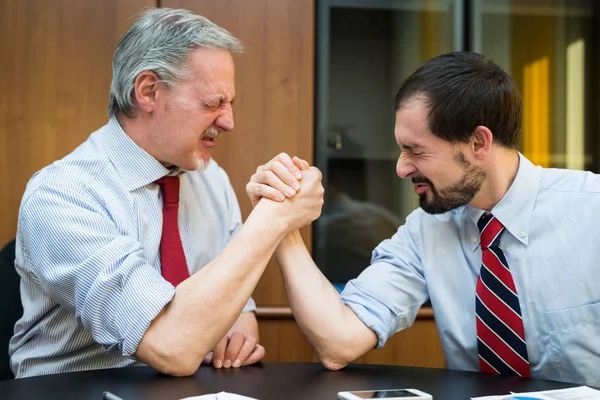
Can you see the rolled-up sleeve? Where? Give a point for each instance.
(82, 261)
(250, 305)
(387, 295)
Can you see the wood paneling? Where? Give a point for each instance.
(274, 95)
(417, 346)
(54, 83)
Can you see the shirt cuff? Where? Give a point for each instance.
(250, 305)
(142, 299)
(371, 312)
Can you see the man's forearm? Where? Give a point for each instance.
(332, 328)
(207, 304)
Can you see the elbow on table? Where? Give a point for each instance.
(169, 361)
(333, 364)
(178, 367)
(335, 361)
(337, 357)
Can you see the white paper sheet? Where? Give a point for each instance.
(576, 393)
(220, 396)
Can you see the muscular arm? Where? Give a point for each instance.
(337, 335)
(208, 303)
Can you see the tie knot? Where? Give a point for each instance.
(169, 187)
(490, 230)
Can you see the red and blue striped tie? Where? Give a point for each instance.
(500, 333)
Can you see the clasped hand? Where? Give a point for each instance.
(235, 350)
(289, 178)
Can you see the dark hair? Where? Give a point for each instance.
(463, 90)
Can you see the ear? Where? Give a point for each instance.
(146, 85)
(481, 142)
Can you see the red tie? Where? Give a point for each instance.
(172, 259)
(500, 334)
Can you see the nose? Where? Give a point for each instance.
(404, 168)
(225, 121)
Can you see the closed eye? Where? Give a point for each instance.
(410, 150)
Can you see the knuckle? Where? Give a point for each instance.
(264, 176)
(278, 165)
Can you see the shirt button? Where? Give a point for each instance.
(521, 234)
(475, 239)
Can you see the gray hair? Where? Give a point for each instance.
(161, 40)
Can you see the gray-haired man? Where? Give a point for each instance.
(131, 249)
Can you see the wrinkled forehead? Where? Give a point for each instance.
(411, 122)
(214, 70)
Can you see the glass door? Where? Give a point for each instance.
(365, 49)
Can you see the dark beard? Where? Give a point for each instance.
(457, 195)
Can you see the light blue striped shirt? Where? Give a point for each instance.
(551, 243)
(88, 252)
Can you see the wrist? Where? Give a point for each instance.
(269, 215)
(292, 239)
(291, 243)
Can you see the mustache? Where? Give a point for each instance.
(421, 179)
(210, 132)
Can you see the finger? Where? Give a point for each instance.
(219, 353)
(283, 173)
(236, 342)
(278, 177)
(208, 359)
(257, 355)
(287, 162)
(316, 171)
(300, 163)
(258, 190)
(245, 351)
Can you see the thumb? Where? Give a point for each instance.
(208, 359)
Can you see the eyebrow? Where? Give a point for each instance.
(408, 147)
(222, 100)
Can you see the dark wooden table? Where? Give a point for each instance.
(267, 381)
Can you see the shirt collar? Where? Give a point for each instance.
(134, 165)
(515, 208)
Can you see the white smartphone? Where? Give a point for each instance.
(389, 394)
